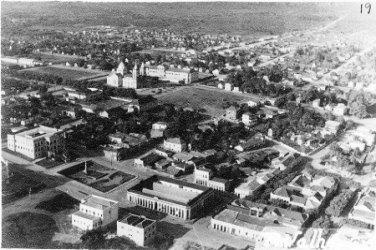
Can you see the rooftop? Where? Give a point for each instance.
(169, 189)
(137, 220)
(38, 132)
(98, 202)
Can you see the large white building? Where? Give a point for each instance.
(37, 142)
(172, 74)
(174, 144)
(118, 78)
(95, 212)
(138, 228)
(174, 197)
(204, 176)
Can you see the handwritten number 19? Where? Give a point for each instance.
(367, 7)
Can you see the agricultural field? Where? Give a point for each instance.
(67, 72)
(56, 58)
(212, 101)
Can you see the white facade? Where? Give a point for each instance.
(139, 229)
(37, 142)
(174, 144)
(247, 119)
(95, 211)
(177, 198)
(159, 126)
(228, 86)
(172, 74)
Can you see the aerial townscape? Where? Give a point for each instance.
(188, 126)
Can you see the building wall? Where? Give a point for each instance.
(130, 83)
(219, 186)
(84, 223)
(141, 236)
(35, 148)
(114, 80)
(171, 208)
(173, 146)
(234, 229)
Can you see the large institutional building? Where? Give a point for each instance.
(176, 198)
(37, 142)
(118, 78)
(138, 228)
(174, 75)
(95, 212)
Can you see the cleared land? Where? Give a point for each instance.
(16, 186)
(58, 203)
(57, 58)
(28, 230)
(67, 72)
(210, 100)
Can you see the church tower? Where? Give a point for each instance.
(135, 72)
(120, 69)
(142, 69)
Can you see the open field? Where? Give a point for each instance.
(56, 58)
(28, 230)
(97, 176)
(210, 100)
(251, 19)
(67, 72)
(58, 203)
(17, 186)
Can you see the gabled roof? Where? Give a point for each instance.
(281, 191)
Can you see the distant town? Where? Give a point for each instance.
(140, 138)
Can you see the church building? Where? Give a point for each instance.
(118, 78)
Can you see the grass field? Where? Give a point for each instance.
(58, 203)
(210, 100)
(67, 73)
(28, 230)
(17, 186)
(56, 58)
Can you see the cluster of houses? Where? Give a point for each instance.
(306, 191)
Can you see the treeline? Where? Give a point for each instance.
(254, 82)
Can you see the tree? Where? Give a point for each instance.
(93, 239)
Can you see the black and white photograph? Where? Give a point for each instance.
(188, 125)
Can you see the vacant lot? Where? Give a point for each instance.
(28, 230)
(67, 72)
(58, 203)
(16, 186)
(210, 100)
